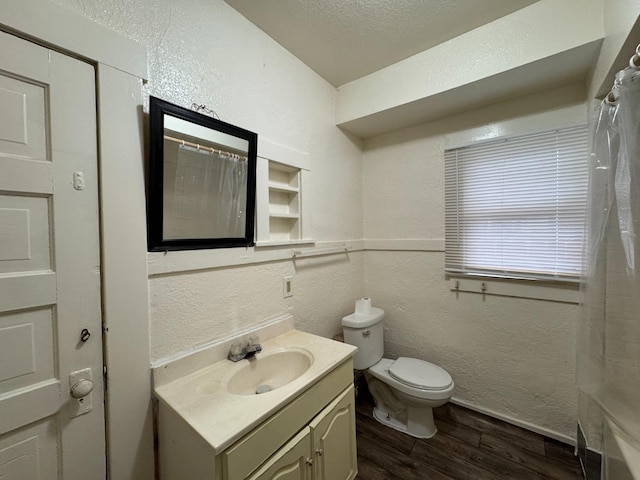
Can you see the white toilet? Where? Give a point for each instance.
(404, 390)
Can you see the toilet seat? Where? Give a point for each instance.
(420, 374)
(381, 370)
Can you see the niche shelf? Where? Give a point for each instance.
(283, 216)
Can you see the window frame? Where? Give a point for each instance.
(459, 269)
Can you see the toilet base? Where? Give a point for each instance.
(419, 421)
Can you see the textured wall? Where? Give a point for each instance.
(192, 308)
(541, 30)
(620, 24)
(511, 356)
(204, 51)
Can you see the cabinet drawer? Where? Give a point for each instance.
(290, 461)
(256, 447)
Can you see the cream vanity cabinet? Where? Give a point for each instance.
(324, 450)
(310, 438)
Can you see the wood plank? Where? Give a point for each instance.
(560, 451)
(468, 445)
(363, 407)
(447, 464)
(528, 440)
(459, 459)
(550, 467)
(371, 428)
(464, 433)
(403, 466)
(367, 470)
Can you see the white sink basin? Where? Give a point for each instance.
(269, 371)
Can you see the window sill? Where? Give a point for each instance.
(552, 292)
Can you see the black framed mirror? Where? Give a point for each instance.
(202, 181)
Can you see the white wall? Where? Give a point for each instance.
(621, 38)
(541, 46)
(514, 357)
(537, 31)
(194, 307)
(205, 52)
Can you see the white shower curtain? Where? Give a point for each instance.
(208, 197)
(608, 365)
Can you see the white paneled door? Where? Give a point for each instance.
(51, 381)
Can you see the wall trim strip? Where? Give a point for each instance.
(49, 24)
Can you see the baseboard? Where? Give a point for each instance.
(514, 421)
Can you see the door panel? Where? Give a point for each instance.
(290, 462)
(49, 265)
(26, 343)
(334, 439)
(24, 223)
(23, 118)
(29, 453)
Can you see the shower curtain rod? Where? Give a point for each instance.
(197, 146)
(634, 63)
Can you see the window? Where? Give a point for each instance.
(515, 208)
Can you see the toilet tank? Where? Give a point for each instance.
(365, 331)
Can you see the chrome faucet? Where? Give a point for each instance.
(238, 352)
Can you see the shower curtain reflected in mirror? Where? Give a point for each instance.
(608, 364)
(205, 194)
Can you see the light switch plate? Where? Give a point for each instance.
(287, 286)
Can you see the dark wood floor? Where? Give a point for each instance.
(468, 446)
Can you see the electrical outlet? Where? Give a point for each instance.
(287, 287)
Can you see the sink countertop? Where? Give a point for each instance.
(221, 418)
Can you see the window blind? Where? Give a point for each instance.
(516, 207)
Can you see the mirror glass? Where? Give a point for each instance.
(202, 180)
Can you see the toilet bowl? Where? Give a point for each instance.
(404, 390)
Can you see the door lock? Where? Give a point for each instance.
(81, 392)
(81, 388)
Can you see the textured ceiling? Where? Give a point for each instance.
(343, 40)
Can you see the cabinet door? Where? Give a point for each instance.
(291, 462)
(333, 434)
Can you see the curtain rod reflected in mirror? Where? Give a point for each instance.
(197, 146)
(202, 175)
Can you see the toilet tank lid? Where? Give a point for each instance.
(360, 320)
